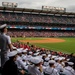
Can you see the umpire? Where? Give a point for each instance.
(5, 43)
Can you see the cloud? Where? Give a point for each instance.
(71, 8)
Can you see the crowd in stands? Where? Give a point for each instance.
(33, 60)
(39, 18)
(43, 26)
(40, 61)
(35, 33)
(38, 21)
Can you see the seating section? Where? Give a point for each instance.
(30, 24)
(33, 33)
(23, 17)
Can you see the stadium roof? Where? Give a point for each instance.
(34, 10)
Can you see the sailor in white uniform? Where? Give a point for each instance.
(68, 70)
(50, 70)
(36, 68)
(5, 43)
(19, 60)
(46, 62)
(58, 65)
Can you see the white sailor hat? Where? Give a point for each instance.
(52, 61)
(35, 60)
(12, 53)
(60, 58)
(24, 58)
(2, 26)
(47, 58)
(24, 51)
(14, 47)
(37, 50)
(70, 63)
(30, 52)
(53, 57)
(63, 58)
(43, 54)
(68, 59)
(19, 50)
(36, 54)
(56, 59)
(49, 55)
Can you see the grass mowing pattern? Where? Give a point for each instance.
(67, 47)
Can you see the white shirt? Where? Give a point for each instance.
(33, 70)
(51, 71)
(46, 64)
(20, 63)
(8, 38)
(59, 67)
(28, 57)
(69, 71)
(9, 42)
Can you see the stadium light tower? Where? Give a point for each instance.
(54, 9)
(9, 4)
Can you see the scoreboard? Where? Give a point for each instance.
(9, 4)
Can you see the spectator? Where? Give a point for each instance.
(68, 70)
(72, 59)
(36, 68)
(5, 44)
(10, 68)
(50, 70)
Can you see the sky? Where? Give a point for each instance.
(37, 4)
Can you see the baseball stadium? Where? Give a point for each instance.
(51, 30)
(45, 30)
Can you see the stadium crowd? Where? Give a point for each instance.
(38, 22)
(40, 18)
(26, 59)
(35, 33)
(34, 60)
(43, 26)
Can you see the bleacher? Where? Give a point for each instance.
(39, 21)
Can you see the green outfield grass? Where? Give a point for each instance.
(67, 47)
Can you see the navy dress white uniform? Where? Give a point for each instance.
(58, 65)
(33, 69)
(10, 68)
(51, 70)
(46, 62)
(5, 41)
(69, 70)
(19, 60)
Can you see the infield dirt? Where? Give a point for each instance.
(45, 40)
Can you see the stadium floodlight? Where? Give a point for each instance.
(9, 4)
(15, 4)
(4, 4)
(54, 9)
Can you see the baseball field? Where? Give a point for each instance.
(65, 45)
